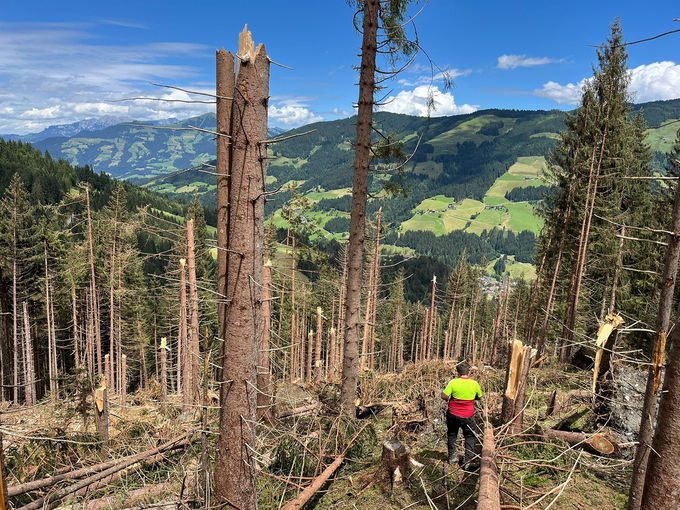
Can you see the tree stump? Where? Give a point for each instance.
(396, 459)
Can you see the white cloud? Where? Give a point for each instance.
(655, 81)
(71, 77)
(649, 82)
(292, 116)
(514, 61)
(562, 94)
(414, 102)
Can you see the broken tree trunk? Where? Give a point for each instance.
(397, 460)
(596, 442)
(519, 361)
(101, 410)
(649, 407)
(264, 399)
(662, 483)
(164, 369)
(489, 495)
(234, 477)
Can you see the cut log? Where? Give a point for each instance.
(596, 442)
(489, 495)
(318, 482)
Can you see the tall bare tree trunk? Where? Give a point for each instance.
(193, 391)
(112, 273)
(358, 215)
(374, 304)
(264, 399)
(51, 351)
(649, 407)
(293, 340)
(76, 333)
(318, 368)
(224, 90)
(234, 464)
(93, 285)
(15, 326)
(183, 372)
(29, 360)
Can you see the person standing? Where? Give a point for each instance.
(461, 394)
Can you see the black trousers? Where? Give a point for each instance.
(469, 428)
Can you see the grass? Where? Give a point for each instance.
(662, 139)
(315, 196)
(468, 131)
(546, 134)
(436, 203)
(522, 217)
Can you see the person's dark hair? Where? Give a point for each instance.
(463, 369)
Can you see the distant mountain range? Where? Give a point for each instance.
(76, 128)
(469, 174)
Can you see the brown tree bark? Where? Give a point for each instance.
(374, 304)
(93, 285)
(112, 273)
(649, 407)
(355, 253)
(234, 477)
(51, 351)
(318, 368)
(183, 373)
(164, 369)
(29, 360)
(489, 495)
(662, 481)
(264, 399)
(192, 392)
(224, 89)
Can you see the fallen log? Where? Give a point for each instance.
(298, 411)
(52, 501)
(489, 495)
(597, 442)
(318, 482)
(108, 502)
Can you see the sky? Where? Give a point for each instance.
(66, 61)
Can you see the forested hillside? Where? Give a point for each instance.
(477, 174)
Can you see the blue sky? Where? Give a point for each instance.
(65, 61)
